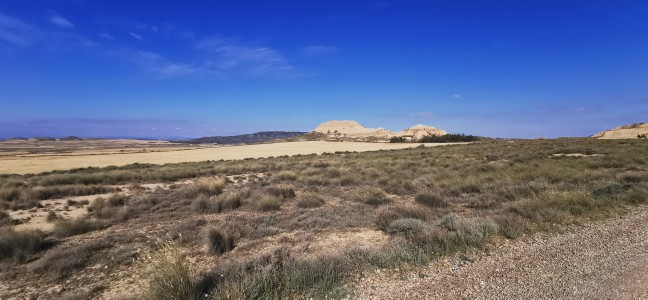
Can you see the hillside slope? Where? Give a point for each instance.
(252, 138)
(631, 131)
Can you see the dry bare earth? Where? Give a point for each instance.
(45, 163)
(603, 260)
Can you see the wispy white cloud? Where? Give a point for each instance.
(456, 96)
(106, 36)
(159, 65)
(227, 55)
(136, 36)
(16, 32)
(319, 50)
(60, 21)
(23, 35)
(214, 56)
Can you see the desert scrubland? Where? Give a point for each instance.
(375, 224)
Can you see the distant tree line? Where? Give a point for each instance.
(446, 138)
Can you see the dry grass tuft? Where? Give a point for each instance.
(66, 228)
(17, 246)
(371, 196)
(430, 200)
(218, 242)
(169, 275)
(310, 200)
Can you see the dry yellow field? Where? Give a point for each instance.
(44, 163)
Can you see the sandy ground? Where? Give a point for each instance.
(44, 163)
(602, 260)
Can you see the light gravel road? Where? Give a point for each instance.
(601, 260)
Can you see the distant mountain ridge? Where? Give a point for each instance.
(258, 137)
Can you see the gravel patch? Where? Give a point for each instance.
(601, 260)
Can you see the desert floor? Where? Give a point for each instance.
(44, 162)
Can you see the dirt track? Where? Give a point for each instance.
(603, 260)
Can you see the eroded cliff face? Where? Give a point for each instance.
(353, 129)
(420, 131)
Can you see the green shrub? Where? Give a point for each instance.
(219, 242)
(5, 218)
(284, 278)
(310, 200)
(636, 196)
(230, 201)
(169, 276)
(205, 204)
(389, 213)
(283, 191)
(448, 138)
(207, 187)
(511, 225)
(65, 228)
(430, 200)
(268, 203)
(371, 196)
(64, 261)
(17, 246)
(111, 208)
(51, 216)
(406, 226)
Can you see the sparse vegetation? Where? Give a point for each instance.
(52, 216)
(206, 187)
(65, 228)
(5, 219)
(169, 275)
(218, 242)
(63, 262)
(280, 276)
(428, 201)
(446, 138)
(371, 196)
(17, 246)
(268, 203)
(310, 200)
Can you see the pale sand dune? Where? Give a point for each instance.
(37, 164)
(624, 132)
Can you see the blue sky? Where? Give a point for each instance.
(166, 69)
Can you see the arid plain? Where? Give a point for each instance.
(322, 219)
(19, 158)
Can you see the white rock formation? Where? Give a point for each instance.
(353, 129)
(419, 131)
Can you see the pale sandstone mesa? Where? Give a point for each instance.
(353, 129)
(38, 164)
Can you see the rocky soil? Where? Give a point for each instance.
(600, 260)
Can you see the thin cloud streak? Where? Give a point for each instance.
(159, 65)
(60, 21)
(216, 56)
(135, 36)
(228, 55)
(16, 32)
